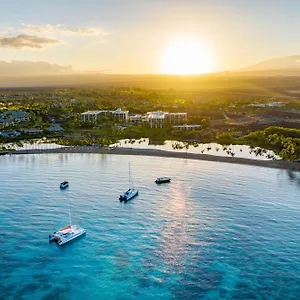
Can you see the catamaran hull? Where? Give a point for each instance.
(62, 236)
(128, 197)
(62, 242)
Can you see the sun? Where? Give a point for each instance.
(187, 56)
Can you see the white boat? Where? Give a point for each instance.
(131, 192)
(68, 233)
(64, 185)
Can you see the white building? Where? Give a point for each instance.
(269, 104)
(32, 131)
(186, 127)
(135, 119)
(120, 114)
(158, 119)
(94, 115)
(176, 118)
(91, 115)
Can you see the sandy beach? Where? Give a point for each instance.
(280, 164)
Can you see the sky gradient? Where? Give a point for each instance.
(131, 36)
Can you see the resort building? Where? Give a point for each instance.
(186, 127)
(12, 117)
(135, 119)
(54, 127)
(94, 115)
(176, 118)
(32, 131)
(268, 104)
(9, 133)
(120, 114)
(91, 115)
(156, 119)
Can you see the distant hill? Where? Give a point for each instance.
(28, 68)
(286, 66)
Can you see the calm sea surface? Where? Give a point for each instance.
(217, 231)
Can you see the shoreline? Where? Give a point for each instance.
(278, 164)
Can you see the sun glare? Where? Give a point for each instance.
(187, 56)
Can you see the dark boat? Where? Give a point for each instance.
(64, 185)
(160, 180)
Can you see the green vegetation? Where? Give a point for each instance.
(283, 141)
(226, 119)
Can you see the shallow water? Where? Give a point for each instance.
(241, 151)
(217, 231)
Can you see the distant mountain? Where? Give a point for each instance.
(28, 68)
(281, 63)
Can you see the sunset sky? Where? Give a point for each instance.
(149, 36)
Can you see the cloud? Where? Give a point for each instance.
(61, 29)
(40, 36)
(26, 41)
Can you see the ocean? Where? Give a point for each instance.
(217, 231)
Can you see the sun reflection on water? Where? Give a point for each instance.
(177, 232)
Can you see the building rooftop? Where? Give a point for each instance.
(55, 128)
(186, 126)
(176, 113)
(156, 115)
(119, 110)
(9, 133)
(92, 112)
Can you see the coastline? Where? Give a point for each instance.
(279, 164)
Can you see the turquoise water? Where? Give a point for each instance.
(217, 231)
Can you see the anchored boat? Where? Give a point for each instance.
(67, 233)
(164, 179)
(64, 185)
(131, 192)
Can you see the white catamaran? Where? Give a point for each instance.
(131, 192)
(67, 233)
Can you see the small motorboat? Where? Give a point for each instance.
(64, 185)
(66, 234)
(160, 180)
(129, 194)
